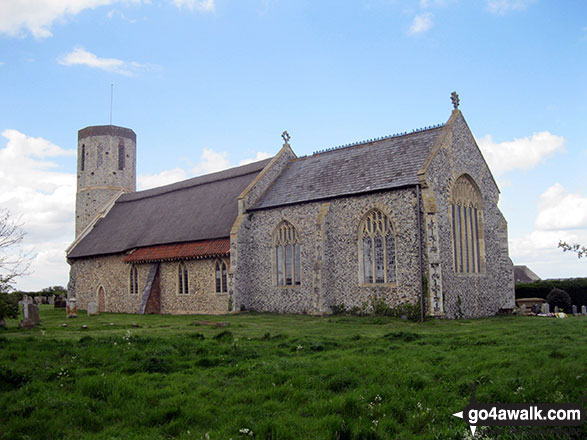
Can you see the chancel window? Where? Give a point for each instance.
(377, 248)
(221, 279)
(287, 255)
(467, 230)
(182, 279)
(134, 280)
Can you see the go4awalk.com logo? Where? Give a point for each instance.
(521, 414)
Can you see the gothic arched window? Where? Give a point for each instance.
(182, 279)
(376, 249)
(467, 228)
(221, 281)
(134, 280)
(287, 255)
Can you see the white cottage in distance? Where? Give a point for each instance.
(410, 218)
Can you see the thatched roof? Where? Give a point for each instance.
(201, 208)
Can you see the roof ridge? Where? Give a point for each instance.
(217, 176)
(382, 138)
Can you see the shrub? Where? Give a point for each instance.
(8, 305)
(338, 309)
(560, 298)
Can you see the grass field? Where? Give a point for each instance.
(281, 376)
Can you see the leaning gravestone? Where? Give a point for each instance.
(546, 308)
(92, 308)
(583, 310)
(523, 310)
(574, 308)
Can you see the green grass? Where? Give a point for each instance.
(280, 376)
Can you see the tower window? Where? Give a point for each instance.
(99, 157)
(121, 155)
(83, 161)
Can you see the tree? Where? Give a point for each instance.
(580, 250)
(13, 264)
(560, 298)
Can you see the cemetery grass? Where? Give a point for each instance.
(280, 376)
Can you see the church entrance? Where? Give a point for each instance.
(101, 300)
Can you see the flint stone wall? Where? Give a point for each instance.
(113, 274)
(328, 234)
(470, 294)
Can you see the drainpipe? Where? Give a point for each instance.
(420, 252)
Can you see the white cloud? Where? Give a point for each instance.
(259, 156)
(420, 24)
(561, 216)
(81, 57)
(501, 7)
(34, 190)
(525, 153)
(560, 209)
(212, 161)
(147, 181)
(198, 5)
(19, 16)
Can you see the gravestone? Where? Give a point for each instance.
(31, 316)
(59, 302)
(38, 300)
(44, 300)
(536, 309)
(574, 308)
(51, 300)
(546, 308)
(523, 310)
(92, 308)
(556, 310)
(71, 308)
(583, 310)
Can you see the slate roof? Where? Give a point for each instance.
(523, 274)
(386, 163)
(201, 208)
(180, 251)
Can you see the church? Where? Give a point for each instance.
(410, 218)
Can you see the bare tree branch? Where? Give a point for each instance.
(13, 264)
(580, 250)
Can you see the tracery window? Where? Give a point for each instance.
(467, 229)
(377, 249)
(134, 280)
(182, 279)
(287, 255)
(221, 280)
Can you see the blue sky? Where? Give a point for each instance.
(210, 84)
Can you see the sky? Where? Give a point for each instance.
(210, 84)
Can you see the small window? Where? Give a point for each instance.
(134, 280)
(121, 155)
(99, 158)
(221, 278)
(287, 255)
(377, 249)
(182, 279)
(83, 161)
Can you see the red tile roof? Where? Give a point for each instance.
(181, 251)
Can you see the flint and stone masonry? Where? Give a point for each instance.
(410, 178)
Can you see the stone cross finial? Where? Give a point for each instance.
(286, 137)
(454, 97)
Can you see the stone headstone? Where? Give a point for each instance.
(44, 300)
(583, 310)
(556, 309)
(38, 299)
(31, 316)
(536, 309)
(59, 302)
(92, 308)
(546, 308)
(71, 309)
(523, 310)
(574, 308)
(51, 299)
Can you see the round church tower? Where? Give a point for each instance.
(106, 165)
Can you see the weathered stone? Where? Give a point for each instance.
(92, 308)
(51, 300)
(212, 323)
(556, 309)
(583, 310)
(523, 310)
(574, 310)
(71, 310)
(546, 308)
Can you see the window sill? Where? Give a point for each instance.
(394, 284)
